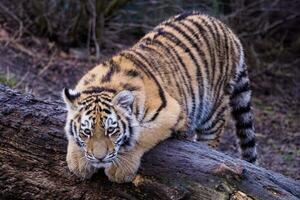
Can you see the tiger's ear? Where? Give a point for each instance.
(124, 99)
(70, 97)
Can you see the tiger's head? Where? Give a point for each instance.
(101, 122)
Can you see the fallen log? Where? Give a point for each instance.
(32, 164)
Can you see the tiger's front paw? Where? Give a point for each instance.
(79, 166)
(122, 171)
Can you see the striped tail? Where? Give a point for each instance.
(240, 102)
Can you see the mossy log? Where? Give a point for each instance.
(32, 164)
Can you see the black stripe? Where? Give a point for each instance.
(88, 106)
(114, 68)
(127, 140)
(93, 76)
(92, 90)
(136, 62)
(241, 125)
(78, 118)
(145, 113)
(105, 104)
(136, 110)
(220, 53)
(183, 16)
(237, 112)
(87, 100)
(132, 73)
(89, 112)
(124, 126)
(105, 98)
(130, 129)
(74, 129)
(215, 129)
(239, 90)
(85, 82)
(143, 67)
(218, 97)
(71, 128)
(107, 111)
(106, 94)
(130, 87)
(218, 116)
(105, 63)
(218, 89)
(226, 52)
(241, 133)
(78, 142)
(248, 144)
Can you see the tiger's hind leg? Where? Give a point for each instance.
(211, 132)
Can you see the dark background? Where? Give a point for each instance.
(46, 45)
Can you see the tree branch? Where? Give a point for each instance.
(32, 164)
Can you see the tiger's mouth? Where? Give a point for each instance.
(101, 162)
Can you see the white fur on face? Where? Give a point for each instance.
(86, 123)
(111, 121)
(101, 165)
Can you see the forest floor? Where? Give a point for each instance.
(37, 66)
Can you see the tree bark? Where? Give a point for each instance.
(32, 164)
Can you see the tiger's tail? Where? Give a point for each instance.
(240, 102)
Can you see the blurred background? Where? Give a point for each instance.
(46, 45)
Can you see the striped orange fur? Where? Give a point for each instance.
(184, 76)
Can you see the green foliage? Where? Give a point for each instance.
(8, 80)
(289, 157)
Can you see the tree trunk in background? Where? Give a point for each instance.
(32, 164)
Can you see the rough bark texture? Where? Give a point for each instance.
(32, 164)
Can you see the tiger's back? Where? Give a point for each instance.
(194, 57)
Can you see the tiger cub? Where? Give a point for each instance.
(181, 77)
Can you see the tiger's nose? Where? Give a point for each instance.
(100, 149)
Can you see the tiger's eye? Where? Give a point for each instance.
(110, 130)
(87, 132)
